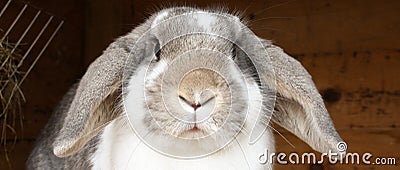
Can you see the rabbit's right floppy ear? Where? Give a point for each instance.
(95, 104)
(299, 107)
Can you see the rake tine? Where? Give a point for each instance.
(4, 8)
(30, 47)
(41, 52)
(19, 41)
(14, 22)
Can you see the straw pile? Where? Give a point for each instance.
(10, 95)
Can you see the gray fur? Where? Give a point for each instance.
(300, 107)
(62, 134)
(42, 156)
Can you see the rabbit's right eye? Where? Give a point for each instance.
(157, 52)
(157, 56)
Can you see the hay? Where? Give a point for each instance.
(10, 95)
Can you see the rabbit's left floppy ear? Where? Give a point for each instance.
(95, 104)
(299, 107)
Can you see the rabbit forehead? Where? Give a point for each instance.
(171, 23)
(197, 45)
(202, 19)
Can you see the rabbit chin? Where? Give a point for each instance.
(120, 148)
(193, 133)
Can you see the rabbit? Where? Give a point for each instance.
(189, 88)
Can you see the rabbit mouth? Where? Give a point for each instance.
(193, 132)
(194, 129)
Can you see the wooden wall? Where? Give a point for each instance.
(351, 48)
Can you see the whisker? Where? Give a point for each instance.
(248, 6)
(274, 29)
(273, 6)
(270, 18)
(280, 134)
(133, 151)
(245, 131)
(244, 154)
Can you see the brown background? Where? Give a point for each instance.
(351, 48)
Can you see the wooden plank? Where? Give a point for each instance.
(361, 89)
(322, 26)
(18, 154)
(105, 21)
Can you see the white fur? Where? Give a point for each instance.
(205, 111)
(159, 18)
(205, 20)
(161, 66)
(202, 113)
(120, 148)
(186, 106)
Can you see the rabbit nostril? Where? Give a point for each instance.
(182, 98)
(195, 106)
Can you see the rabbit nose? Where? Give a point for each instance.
(195, 106)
